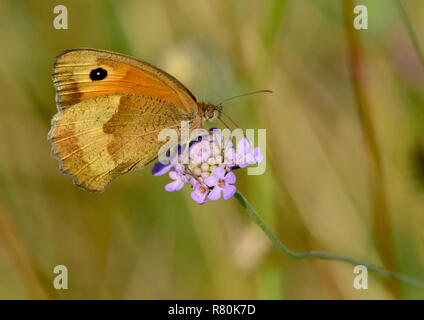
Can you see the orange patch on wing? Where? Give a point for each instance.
(71, 76)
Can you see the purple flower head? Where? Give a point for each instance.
(209, 170)
(222, 183)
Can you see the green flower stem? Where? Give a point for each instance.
(316, 254)
(414, 36)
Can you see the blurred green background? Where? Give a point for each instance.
(136, 241)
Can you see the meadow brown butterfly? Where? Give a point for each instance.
(111, 108)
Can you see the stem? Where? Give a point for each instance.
(382, 228)
(36, 280)
(414, 36)
(316, 254)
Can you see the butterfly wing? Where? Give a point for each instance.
(107, 127)
(124, 74)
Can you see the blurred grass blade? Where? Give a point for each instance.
(382, 228)
(272, 22)
(35, 281)
(414, 36)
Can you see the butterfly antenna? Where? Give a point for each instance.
(243, 95)
(220, 119)
(229, 118)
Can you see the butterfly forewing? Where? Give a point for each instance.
(124, 74)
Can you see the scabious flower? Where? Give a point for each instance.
(209, 170)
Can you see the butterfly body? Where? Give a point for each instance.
(111, 110)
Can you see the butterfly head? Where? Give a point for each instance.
(210, 112)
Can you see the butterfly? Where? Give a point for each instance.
(111, 108)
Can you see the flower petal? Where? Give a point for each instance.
(228, 144)
(173, 175)
(229, 191)
(180, 184)
(179, 168)
(211, 181)
(229, 156)
(192, 181)
(215, 194)
(243, 164)
(198, 196)
(250, 159)
(230, 178)
(243, 146)
(258, 155)
(170, 187)
(160, 169)
(219, 173)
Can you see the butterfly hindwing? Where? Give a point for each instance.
(103, 137)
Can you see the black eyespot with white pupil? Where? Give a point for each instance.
(98, 74)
